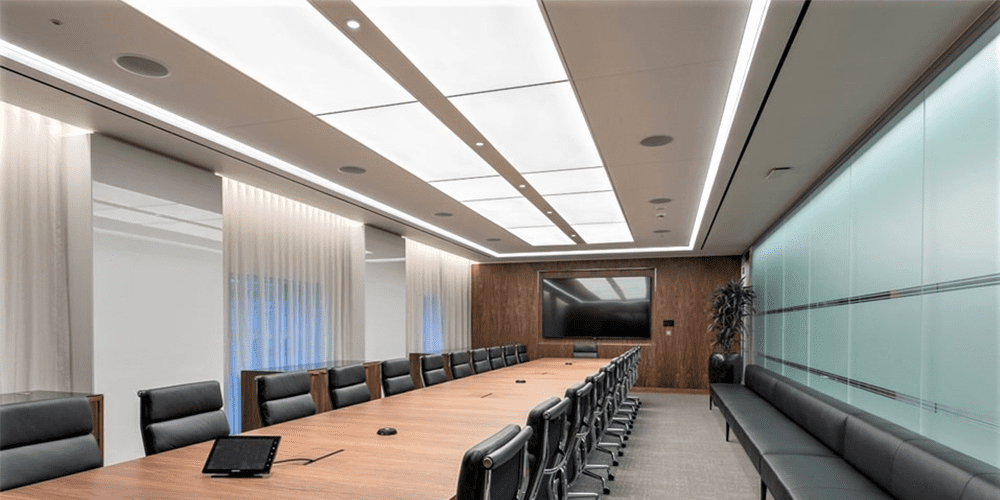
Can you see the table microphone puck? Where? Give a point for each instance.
(386, 431)
(568, 363)
(519, 381)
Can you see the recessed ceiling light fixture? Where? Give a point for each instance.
(351, 169)
(479, 144)
(748, 45)
(656, 140)
(56, 21)
(443, 214)
(661, 231)
(776, 172)
(141, 65)
(492, 239)
(660, 201)
(661, 215)
(353, 24)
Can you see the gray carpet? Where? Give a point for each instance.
(678, 450)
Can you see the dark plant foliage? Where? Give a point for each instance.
(732, 303)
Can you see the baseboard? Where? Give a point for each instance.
(670, 390)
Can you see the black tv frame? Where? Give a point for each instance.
(623, 272)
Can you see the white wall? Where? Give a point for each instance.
(158, 300)
(385, 295)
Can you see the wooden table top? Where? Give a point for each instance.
(436, 426)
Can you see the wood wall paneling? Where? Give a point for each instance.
(506, 309)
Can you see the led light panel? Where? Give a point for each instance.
(541, 236)
(604, 233)
(587, 208)
(286, 45)
(534, 128)
(465, 46)
(411, 137)
(510, 213)
(479, 188)
(570, 181)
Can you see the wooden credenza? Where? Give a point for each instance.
(96, 406)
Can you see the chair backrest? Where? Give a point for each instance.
(496, 357)
(579, 394)
(510, 355)
(396, 376)
(585, 350)
(180, 415)
(481, 360)
(41, 440)
(522, 353)
(347, 386)
(284, 396)
(460, 364)
(548, 424)
(432, 369)
(497, 467)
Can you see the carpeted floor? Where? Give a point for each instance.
(678, 451)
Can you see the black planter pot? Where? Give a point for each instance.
(725, 368)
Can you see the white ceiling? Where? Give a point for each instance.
(638, 68)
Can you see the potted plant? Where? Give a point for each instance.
(732, 303)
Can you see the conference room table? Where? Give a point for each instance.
(435, 425)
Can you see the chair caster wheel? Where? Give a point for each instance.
(615, 463)
(611, 477)
(620, 454)
(607, 491)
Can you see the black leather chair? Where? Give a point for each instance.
(510, 355)
(396, 376)
(496, 468)
(460, 367)
(574, 460)
(522, 353)
(481, 361)
(432, 369)
(496, 358)
(41, 440)
(585, 350)
(180, 415)
(347, 386)
(284, 396)
(547, 421)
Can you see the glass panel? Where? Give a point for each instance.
(829, 244)
(885, 351)
(962, 173)
(796, 262)
(886, 192)
(796, 344)
(961, 348)
(828, 348)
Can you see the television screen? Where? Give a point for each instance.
(596, 307)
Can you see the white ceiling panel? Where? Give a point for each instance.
(570, 181)
(414, 139)
(541, 236)
(286, 45)
(615, 232)
(510, 212)
(465, 46)
(534, 128)
(479, 188)
(587, 208)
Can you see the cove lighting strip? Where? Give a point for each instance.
(748, 45)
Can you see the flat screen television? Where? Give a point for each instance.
(596, 307)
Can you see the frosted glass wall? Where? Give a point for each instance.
(883, 288)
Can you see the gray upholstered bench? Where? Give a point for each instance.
(807, 445)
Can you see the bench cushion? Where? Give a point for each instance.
(762, 429)
(983, 487)
(814, 412)
(924, 468)
(791, 476)
(870, 444)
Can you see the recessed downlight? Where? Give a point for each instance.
(660, 201)
(443, 214)
(353, 24)
(661, 215)
(493, 239)
(656, 140)
(142, 66)
(661, 231)
(351, 169)
(56, 21)
(522, 186)
(480, 144)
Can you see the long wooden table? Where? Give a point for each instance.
(436, 426)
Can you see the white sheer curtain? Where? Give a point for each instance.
(438, 300)
(295, 285)
(34, 295)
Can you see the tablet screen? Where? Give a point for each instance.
(242, 455)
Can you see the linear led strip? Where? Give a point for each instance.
(748, 45)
